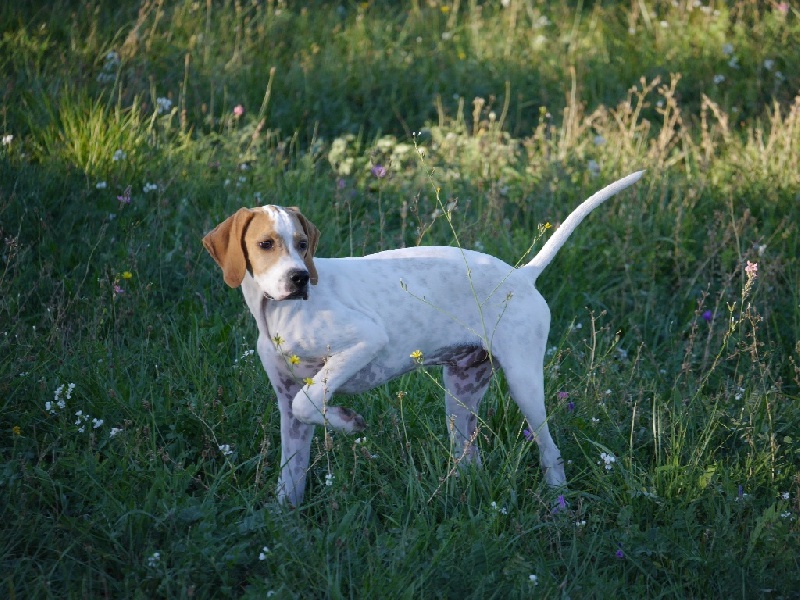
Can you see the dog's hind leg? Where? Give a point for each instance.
(525, 377)
(465, 385)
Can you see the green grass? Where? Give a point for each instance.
(674, 360)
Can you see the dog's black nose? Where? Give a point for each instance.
(299, 278)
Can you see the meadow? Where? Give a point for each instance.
(139, 438)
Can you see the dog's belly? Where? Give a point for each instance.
(374, 374)
(380, 370)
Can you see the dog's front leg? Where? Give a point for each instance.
(310, 405)
(295, 451)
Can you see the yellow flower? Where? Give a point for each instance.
(417, 356)
(127, 275)
(294, 359)
(278, 340)
(445, 9)
(17, 430)
(461, 55)
(308, 381)
(547, 225)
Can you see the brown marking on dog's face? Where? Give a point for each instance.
(275, 245)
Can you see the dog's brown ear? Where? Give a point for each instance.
(313, 237)
(225, 244)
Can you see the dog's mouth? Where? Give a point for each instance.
(297, 295)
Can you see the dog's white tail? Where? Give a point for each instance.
(553, 245)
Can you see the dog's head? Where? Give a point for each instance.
(274, 244)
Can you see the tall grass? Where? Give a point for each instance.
(673, 371)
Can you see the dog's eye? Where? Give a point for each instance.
(302, 245)
(266, 244)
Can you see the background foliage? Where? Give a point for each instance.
(139, 434)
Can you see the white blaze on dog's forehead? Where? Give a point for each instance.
(284, 225)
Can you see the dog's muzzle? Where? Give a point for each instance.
(297, 284)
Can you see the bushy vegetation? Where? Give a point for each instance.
(140, 439)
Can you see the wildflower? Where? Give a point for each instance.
(364, 441)
(150, 187)
(96, 423)
(727, 49)
(119, 155)
(719, 79)
(786, 515)
(562, 395)
(125, 198)
(782, 7)
(7, 139)
(101, 185)
(707, 316)
(294, 359)
(785, 495)
(608, 459)
(581, 523)
(378, 171)
(741, 494)
(502, 509)
(164, 105)
(739, 393)
(571, 406)
(127, 275)
(308, 381)
(341, 183)
(278, 340)
(560, 505)
(225, 449)
(263, 554)
(115, 431)
(238, 110)
(533, 579)
(529, 435)
(751, 269)
(595, 420)
(153, 560)
(593, 167)
(16, 430)
(599, 140)
(619, 553)
(118, 290)
(733, 63)
(417, 356)
(329, 479)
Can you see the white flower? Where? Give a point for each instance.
(101, 185)
(608, 459)
(153, 560)
(115, 431)
(727, 49)
(150, 187)
(263, 554)
(733, 63)
(593, 167)
(768, 64)
(595, 420)
(96, 423)
(119, 155)
(225, 449)
(533, 579)
(502, 510)
(779, 76)
(329, 479)
(581, 523)
(163, 104)
(361, 440)
(599, 140)
(785, 495)
(7, 139)
(786, 515)
(664, 24)
(719, 79)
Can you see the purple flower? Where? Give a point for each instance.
(378, 171)
(119, 290)
(341, 183)
(126, 196)
(619, 553)
(741, 491)
(562, 505)
(529, 435)
(707, 316)
(571, 406)
(562, 395)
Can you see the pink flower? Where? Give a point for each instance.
(126, 196)
(238, 110)
(118, 290)
(751, 269)
(562, 395)
(783, 7)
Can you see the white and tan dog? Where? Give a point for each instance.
(328, 325)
